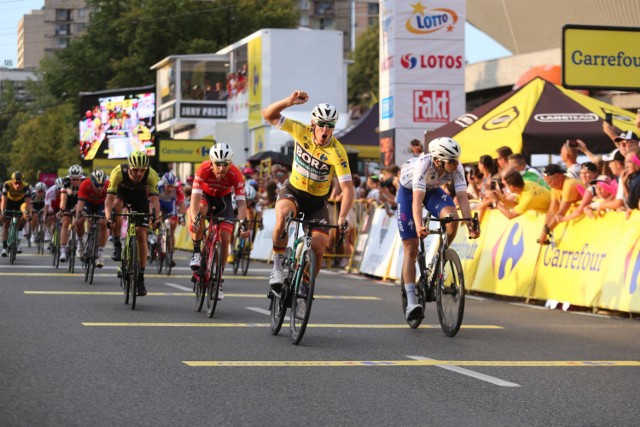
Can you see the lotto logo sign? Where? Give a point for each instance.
(431, 106)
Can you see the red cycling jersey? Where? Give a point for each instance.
(205, 181)
(88, 193)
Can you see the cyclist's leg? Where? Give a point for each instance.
(319, 243)
(409, 237)
(5, 235)
(196, 235)
(284, 205)
(441, 205)
(116, 231)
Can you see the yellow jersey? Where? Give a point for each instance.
(313, 165)
(120, 179)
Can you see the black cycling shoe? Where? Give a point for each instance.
(142, 290)
(117, 253)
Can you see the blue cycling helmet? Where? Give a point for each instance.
(169, 178)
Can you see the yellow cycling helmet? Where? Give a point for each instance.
(17, 176)
(138, 160)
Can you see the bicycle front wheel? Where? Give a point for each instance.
(158, 253)
(245, 256)
(237, 251)
(450, 294)
(201, 282)
(215, 268)
(134, 269)
(302, 297)
(71, 252)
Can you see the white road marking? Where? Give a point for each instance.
(263, 311)
(182, 288)
(470, 373)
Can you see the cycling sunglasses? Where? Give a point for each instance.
(329, 125)
(222, 164)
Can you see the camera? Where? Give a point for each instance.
(572, 143)
(608, 117)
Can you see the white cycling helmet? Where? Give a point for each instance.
(220, 153)
(59, 183)
(75, 171)
(444, 148)
(325, 113)
(41, 186)
(249, 192)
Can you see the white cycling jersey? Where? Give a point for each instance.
(51, 196)
(419, 173)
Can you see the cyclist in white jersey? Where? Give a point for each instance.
(420, 181)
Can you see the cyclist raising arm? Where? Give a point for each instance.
(420, 181)
(136, 184)
(317, 156)
(214, 182)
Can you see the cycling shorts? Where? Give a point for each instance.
(313, 207)
(434, 201)
(219, 207)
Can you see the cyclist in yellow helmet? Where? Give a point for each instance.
(136, 184)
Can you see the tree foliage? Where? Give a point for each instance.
(122, 41)
(363, 84)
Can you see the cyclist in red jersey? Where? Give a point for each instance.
(214, 182)
(91, 197)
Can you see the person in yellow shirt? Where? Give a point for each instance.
(564, 194)
(529, 195)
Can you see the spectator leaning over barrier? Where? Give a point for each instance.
(519, 163)
(531, 196)
(569, 155)
(631, 180)
(420, 181)
(388, 187)
(373, 184)
(588, 172)
(606, 189)
(564, 194)
(616, 165)
(502, 161)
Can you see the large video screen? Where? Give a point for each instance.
(113, 124)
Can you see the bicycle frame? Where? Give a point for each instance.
(12, 238)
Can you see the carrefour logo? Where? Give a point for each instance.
(408, 61)
(632, 269)
(202, 151)
(425, 21)
(513, 249)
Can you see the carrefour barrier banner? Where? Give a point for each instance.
(574, 267)
(620, 289)
(595, 57)
(381, 244)
(507, 255)
(469, 251)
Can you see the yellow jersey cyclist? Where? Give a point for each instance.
(136, 184)
(15, 192)
(318, 155)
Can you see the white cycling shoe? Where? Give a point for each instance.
(414, 312)
(195, 261)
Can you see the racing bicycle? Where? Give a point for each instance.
(207, 279)
(90, 254)
(299, 268)
(242, 248)
(441, 278)
(12, 238)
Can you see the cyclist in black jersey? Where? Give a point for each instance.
(68, 200)
(15, 192)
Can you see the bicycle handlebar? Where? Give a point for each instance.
(448, 219)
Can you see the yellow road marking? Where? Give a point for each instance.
(266, 325)
(190, 294)
(339, 363)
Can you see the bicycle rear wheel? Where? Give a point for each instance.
(450, 294)
(158, 252)
(55, 246)
(214, 279)
(13, 242)
(134, 269)
(71, 251)
(302, 295)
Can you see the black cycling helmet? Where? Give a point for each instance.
(17, 176)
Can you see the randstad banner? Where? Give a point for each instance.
(507, 261)
(184, 150)
(574, 267)
(620, 289)
(596, 57)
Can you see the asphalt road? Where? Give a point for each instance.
(75, 355)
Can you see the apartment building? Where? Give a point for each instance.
(45, 31)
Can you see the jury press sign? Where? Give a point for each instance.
(595, 57)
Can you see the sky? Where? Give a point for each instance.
(478, 47)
